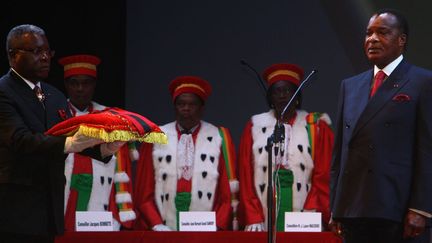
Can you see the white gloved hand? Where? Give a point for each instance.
(108, 149)
(255, 227)
(78, 142)
(161, 227)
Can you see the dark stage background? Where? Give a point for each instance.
(145, 44)
(91, 27)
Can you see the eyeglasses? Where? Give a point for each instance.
(38, 52)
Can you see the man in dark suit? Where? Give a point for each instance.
(31, 163)
(381, 175)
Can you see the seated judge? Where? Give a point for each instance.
(92, 185)
(188, 173)
(302, 164)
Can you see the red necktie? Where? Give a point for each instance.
(379, 79)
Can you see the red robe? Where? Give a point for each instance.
(147, 211)
(251, 210)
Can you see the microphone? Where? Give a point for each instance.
(278, 131)
(261, 83)
(296, 92)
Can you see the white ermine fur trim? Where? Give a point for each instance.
(299, 159)
(134, 155)
(127, 215)
(124, 197)
(234, 204)
(101, 188)
(116, 225)
(121, 177)
(234, 186)
(325, 117)
(204, 176)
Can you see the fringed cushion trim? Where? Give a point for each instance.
(121, 135)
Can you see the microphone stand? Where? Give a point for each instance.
(278, 137)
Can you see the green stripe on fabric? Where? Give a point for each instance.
(83, 184)
(225, 152)
(182, 202)
(286, 180)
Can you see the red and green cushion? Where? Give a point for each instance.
(111, 124)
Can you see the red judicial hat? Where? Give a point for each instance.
(283, 72)
(80, 64)
(190, 84)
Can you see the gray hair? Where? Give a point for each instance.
(16, 32)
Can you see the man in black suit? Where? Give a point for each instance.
(31, 163)
(381, 174)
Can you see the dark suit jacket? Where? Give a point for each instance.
(382, 159)
(31, 164)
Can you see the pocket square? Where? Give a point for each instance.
(401, 98)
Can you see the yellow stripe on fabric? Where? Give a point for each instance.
(284, 72)
(79, 65)
(119, 164)
(121, 187)
(312, 141)
(227, 153)
(190, 86)
(312, 119)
